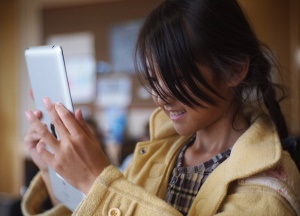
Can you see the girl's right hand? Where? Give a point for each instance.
(31, 140)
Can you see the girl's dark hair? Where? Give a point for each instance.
(179, 35)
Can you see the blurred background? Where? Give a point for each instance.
(98, 38)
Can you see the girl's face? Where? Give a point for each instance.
(189, 120)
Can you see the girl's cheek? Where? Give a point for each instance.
(154, 98)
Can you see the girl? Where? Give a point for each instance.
(212, 149)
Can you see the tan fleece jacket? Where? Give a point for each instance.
(257, 179)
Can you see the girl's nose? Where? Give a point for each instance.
(164, 101)
(160, 101)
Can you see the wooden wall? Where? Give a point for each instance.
(10, 163)
(95, 18)
(275, 22)
(295, 66)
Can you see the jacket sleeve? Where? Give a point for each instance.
(113, 192)
(110, 192)
(34, 198)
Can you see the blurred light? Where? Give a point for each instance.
(104, 67)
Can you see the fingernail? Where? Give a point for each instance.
(47, 102)
(28, 114)
(58, 105)
(79, 112)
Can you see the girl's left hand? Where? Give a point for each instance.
(77, 156)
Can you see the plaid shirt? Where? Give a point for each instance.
(186, 182)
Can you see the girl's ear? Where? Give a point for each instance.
(238, 72)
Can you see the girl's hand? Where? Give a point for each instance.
(31, 140)
(77, 156)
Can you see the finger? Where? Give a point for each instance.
(38, 114)
(31, 94)
(44, 153)
(55, 118)
(82, 122)
(31, 138)
(68, 119)
(41, 130)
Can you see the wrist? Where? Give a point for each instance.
(87, 185)
(44, 173)
(46, 178)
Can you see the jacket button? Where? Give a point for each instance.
(114, 212)
(142, 151)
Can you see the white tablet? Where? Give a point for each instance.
(48, 78)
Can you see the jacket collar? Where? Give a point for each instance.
(259, 148)
(160, 125)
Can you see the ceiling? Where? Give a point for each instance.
(65, 3)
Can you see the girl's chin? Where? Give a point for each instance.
(182, 131)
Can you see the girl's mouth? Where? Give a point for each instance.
(176, 115)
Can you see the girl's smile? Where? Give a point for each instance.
(176, 115)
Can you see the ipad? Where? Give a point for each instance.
(48, 77)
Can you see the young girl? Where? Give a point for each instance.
(212, 149)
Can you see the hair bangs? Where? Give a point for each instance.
(165, 54)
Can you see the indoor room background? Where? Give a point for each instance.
(98, 39)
